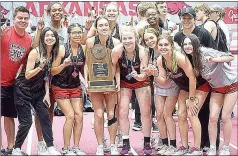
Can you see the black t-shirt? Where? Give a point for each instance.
(3, 20)
(204, 36)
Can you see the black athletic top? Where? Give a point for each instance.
(126, 65)
(109, 42)
(180, 78)
(115, 32)
(69, 76)
(37, 82)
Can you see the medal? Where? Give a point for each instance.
(75, 74)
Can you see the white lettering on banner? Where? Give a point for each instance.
(233, 16)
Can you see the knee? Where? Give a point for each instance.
(182, 115)
(26, 123)
(78, 116)
(99, 116)
(110, 115)
(70, 116)
(213, 118)
(225, 118)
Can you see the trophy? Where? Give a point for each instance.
(100, 78)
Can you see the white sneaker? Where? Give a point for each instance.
(100, 150)
(211, 151)
(119, 141)
(158, 145)
(195, 151)
(78, 151)
(113, 150)
(52, 151)
(41, 148)
(67, 151)
(163, 149)
(105, 148)
(171, 150)
(224, 150)
(181, 151)
(133, 114)
(18, 151)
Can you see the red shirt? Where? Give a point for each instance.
(14, 50)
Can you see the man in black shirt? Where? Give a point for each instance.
(187, 16)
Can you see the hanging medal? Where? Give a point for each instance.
(46, 78)
(75, 60)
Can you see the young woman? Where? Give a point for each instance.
(98, 98)
(32, 90)
(165, 97)
(131, 58)
(66, 86)
(223, 81)
(111, 13)
(193, 89)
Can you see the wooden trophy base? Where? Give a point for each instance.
(101, 86)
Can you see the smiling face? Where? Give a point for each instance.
(56, 12)
(49, 39)
(76, 34)
(150, 40)
(188, 21)
(199, 15)
(111, 12)
(152, 16)
(21, 20)
(128, 39)
(164, 47)
(187, 46)
(103, 26)
(162, 8)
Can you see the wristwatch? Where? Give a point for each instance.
(192, 98)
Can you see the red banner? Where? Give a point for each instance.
(231, 16)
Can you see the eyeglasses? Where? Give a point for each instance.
(75, 33)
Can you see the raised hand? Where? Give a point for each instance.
(42, 62)
(41, 23)
(134, 73)
(4, 28)
(68, 61)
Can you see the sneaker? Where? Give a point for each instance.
(18, 151)
(159, 145)
(119, 141)
(163, 150)
(147, 149)
(181, 151)
(7, 151)
(41, 148)
(113, 150)
(211, 151)
(78, 151)
(155, 129)
(52, 151)
(2, 152)
(125, 149)
(67, 151)
(136, 126)
(133, 114)
(205, 149)
(224, 150)
(105, 148)
(170, 151)
(195, 151)
(100, 150)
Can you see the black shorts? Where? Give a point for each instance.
(8, 108)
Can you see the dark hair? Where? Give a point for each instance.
(160, 22)
(73, 25)
(20, 9)
(196, 57)
(42, 45)
(99, 18)
(50, 5)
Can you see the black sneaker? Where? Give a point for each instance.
(136, 126)
(6, 151)
(155, 129)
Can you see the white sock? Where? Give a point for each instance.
(125, 137)
(213, 146)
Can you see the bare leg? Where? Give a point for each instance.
(9, 126)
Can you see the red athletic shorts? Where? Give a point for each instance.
(139, 84)
(227, 89)
(205, 87)
(62, 93)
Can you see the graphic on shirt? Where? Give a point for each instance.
(61, 40)
(16, 52)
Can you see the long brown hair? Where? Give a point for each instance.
(196, 57)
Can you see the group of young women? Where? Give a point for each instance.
(184, 75)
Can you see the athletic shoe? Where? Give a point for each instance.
(195, 151)
(100, 150)
(181, 151)
(147, 149)
(119, 140)
(78, 151)
(41, 148)
(155, 129)
(113, 150)
(18, 151)
(136, 127)
(224, 150)
(163, 150)
(65, 151)
(211, 151)
(125, 149)
(170, 151)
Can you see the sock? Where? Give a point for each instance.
(173, 143)
(146, 140)
(165, 141)
(213, 146)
